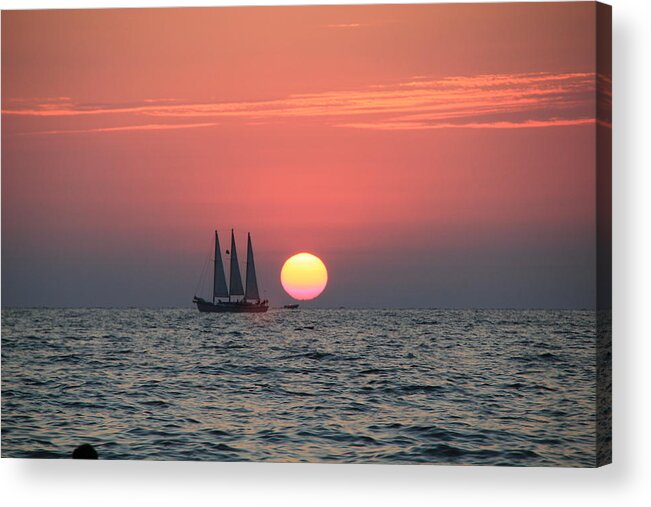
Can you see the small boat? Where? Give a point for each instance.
(291, 307)
(250, 302)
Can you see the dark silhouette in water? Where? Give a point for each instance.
(84, 451)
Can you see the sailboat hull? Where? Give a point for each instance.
(230, 307)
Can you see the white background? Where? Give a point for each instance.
(626, 482)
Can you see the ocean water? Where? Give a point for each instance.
(342, 386)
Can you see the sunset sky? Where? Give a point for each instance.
(431, 155)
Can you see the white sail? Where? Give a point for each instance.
(251, 279)
(236, 278)
(219, 279)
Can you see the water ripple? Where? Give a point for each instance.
(373, 386)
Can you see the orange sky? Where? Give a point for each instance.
(426, 153)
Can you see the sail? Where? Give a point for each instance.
(236, 278)
(219, 279)
(251, 280)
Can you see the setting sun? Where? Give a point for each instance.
(304, 276)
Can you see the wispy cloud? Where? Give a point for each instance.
(552, 122)
(127, 128)
(345, 25)
(531, 100)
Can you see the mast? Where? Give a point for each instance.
(251, 279)
(236, 278)
(219, 288)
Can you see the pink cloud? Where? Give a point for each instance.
(152, 126)
(345, 25)
(552, 122)
(483, 101)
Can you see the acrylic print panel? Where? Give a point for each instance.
(347, 234)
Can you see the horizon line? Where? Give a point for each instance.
(456, 308)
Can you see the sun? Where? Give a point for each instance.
(304, 276)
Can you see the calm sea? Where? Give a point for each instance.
(373, 386)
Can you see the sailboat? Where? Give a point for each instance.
(250, 302)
